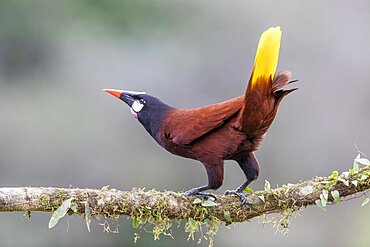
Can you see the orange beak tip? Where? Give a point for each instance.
(116, 93)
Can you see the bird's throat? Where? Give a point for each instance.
(133, 113)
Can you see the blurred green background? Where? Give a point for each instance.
(58, 128)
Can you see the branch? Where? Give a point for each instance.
(162, 209)
(174, 206)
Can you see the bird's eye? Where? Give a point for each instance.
(142, 101)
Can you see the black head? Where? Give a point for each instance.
(147, 109)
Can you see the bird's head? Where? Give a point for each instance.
(147, 109)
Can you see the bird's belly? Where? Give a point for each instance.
(183, 151)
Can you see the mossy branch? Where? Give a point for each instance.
(149, 206)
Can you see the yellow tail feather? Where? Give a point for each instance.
(267, 57)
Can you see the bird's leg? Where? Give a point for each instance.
(250, 167)
(198, 192)
(215, 173)
(239, 191)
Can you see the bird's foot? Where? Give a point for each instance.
(239, 193)
(196, 192)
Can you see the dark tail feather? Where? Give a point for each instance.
(292, 81)
(280, 94)
(280, 80)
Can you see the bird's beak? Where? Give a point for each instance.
(125, 96)
(116, 93)
(122, 95)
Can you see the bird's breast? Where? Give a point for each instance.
(181, 150)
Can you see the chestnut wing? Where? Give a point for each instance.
(183, 127)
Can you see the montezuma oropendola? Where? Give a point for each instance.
(231, 130)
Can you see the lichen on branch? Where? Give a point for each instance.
(161, 209)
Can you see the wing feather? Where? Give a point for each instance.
(184, 126)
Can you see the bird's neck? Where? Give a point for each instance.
(152, 122)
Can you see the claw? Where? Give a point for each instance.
(237, 193)
(195, 192)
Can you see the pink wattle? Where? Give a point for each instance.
(134, 114)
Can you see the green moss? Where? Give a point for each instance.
(154, 214)
(191, 227)
(62, 194)
(57, 199)
(213, 225)
(45, 202)
(198, 219)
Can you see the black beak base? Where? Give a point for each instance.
(127, 98)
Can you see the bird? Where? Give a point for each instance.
(230, 130)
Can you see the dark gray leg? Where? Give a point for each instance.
(198, 191)
(215, 178)
(250, 167)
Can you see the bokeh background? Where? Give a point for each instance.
(58, 128)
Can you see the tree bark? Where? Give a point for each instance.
(174, 206)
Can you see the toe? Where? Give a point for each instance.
(213, 196)
(240, 194)
(205, 195)
(242, 198)
(195, 192)
(231, 192)
(228, 192)
(190, 192)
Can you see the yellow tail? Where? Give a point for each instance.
(266, 59)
